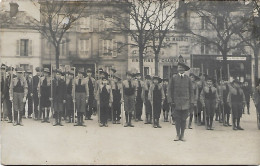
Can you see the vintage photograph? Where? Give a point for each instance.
(130, 82)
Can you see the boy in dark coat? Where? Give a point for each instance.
(156, 97)
(59, 96)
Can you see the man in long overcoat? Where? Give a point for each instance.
(180, 96)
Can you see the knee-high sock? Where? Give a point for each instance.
(183, 126)
(238, 122)
(178, 126)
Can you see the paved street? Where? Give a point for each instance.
(37, 143)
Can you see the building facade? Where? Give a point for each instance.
(94, 41)
(174, 45)
(20, 44)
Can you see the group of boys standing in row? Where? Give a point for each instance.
(70, 95)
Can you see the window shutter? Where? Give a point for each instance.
(91, 23)
(17, 47)
(101, 23)
(30, 47)
(89, 47)
(101, 47)
(114, 47)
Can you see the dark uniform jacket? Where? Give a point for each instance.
(180, 92)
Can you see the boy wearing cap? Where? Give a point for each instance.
(116, 86)
(36, 80)
(18, 93)
(91, 92)
(156, 97)
(166, 106)
(139, 97)
(209, 99)
(3, 95)
(201, 84)
(104, 99)
(195, 92)
(236, 101)
(44, 94)
(69, 99)
(129, 88)
(80, 88)
(28, 76)
(59, 96)
(256, 99)
(148, 106)
(7, 94)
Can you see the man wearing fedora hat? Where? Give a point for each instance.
(156, 97)
(236, 101)
(44, 94)
(59, 96)
(90, 81)
(180, 97)
(129, 88)
(80, 88)
(18, 93)
(209, 99)
(36, 80)
(148, 106)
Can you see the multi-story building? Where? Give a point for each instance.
(94, 41)
(174, 45)
(20, 44)
(210, 23)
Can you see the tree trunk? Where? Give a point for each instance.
(156, 62)
(224, 66)
(57, 56)
(141, 62)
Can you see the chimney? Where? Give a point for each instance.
(13, 9)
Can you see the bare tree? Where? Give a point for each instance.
(137, 25)
(160, 25)
(57, 17)
(221, 23)
(251, 33)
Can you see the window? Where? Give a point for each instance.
(220, 23)
(85, 23)
(108, 48)
(146, 71)
(205, 47)
(84, 48)
(204, 22)
(24, 47)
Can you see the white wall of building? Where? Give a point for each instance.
(10, 53)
